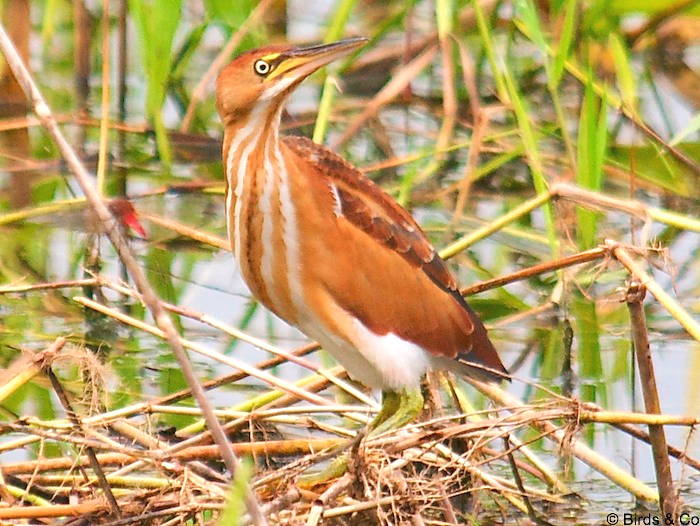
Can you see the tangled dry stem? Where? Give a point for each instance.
(442, 467)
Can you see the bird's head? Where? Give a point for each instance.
(269, 74)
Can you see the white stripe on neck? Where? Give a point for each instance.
(291, 238)
(255, 124)
(269, 255)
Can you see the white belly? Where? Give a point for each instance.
(384, 362)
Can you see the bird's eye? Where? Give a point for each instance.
(261, 67)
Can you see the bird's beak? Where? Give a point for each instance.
(303, 61)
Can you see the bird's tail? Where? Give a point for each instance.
(481, 360)
(464, 365)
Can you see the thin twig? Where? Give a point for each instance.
(670, 304)
(392, 89)
(57, 510)
(187, 231)
(536, 270)
(71, 283)
(108, 221)
(466, 241)
(270, 447)
(668, 499)
(637, 433)
(257, 342)
(632, 207)
(202, 350)
(519, 483)
(580, 450)
(27, 368)
(224, 55)
(91, 455)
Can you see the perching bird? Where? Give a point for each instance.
(324, 248)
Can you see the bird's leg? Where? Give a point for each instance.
(336, 468)
(390, 405)
(398, 408)
(401, 408)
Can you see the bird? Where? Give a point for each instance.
(327, 250)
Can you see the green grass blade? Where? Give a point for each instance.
(487, 41)
(646, 7)
(592, 145)
(561, 54)
(339, 20)
(334, 32)
(444, 13)
(590, 363)
(235, 506)
(156, 23)
(525, 11)
(325, 105)
(532, 152)
(508, 93)
(626, 82)
(692, 127)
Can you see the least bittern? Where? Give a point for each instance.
(324, 248)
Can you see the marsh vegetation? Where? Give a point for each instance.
(550, 149)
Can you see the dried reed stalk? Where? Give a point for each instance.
(108, 221)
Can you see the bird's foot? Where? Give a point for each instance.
(335, 469)
(398, 409)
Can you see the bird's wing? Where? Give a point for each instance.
(370, 209)
(455, 330)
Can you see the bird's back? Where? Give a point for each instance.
(368, 271)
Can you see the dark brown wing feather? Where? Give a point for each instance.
(366, 206)
(406, 239)
(369, 208)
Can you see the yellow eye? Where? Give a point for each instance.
(261, 67)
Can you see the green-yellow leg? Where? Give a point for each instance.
(391, 400)
(335, 469)
(398, 409)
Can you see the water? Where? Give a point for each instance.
(205, 280)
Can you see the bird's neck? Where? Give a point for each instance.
(248, 141)
(260, 212)
(252, 161)
(250, 144)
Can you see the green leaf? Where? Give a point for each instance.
(531, 145)
(334, 32)
(444, 11)
(188, 51)
(653, 164)
(626, 82)
(230, 13)
(648, 7)
(591, 147)
(562, 50)
(339, 20)
(240, 485)
(156, 23)
(690, 128)
(526, 12)
(487, 41)
(590, 363)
